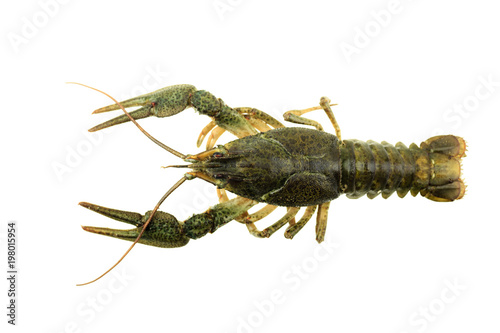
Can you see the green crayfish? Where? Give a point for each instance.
(269, 163)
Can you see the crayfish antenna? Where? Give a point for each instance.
(161, 144)
(175, 166)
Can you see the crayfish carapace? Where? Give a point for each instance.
(291, 167)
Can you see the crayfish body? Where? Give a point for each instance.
(291, 167)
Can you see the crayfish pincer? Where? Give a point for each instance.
(164, 230)
(269, 163)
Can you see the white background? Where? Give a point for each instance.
(396, 265)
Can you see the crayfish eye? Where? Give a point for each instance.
(153, 104)
(217, 154)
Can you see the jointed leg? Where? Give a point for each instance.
(214, 136)
(321, 219)
(292, 230)
(289, 217)
(325, 104)
(249, 219)
(256, 118)
(295, 116)
(260, 214)
(260, 125)
(222, 195)
(245, 217)
(252, 113)
(211, 125)
(290, 214)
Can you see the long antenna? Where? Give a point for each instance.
(167, 148)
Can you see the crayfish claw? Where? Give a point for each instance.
(163, 231)
(163, 102)
(143, 112)
(119, 215)
(130, 234)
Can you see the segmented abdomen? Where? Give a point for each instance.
(433, 169)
